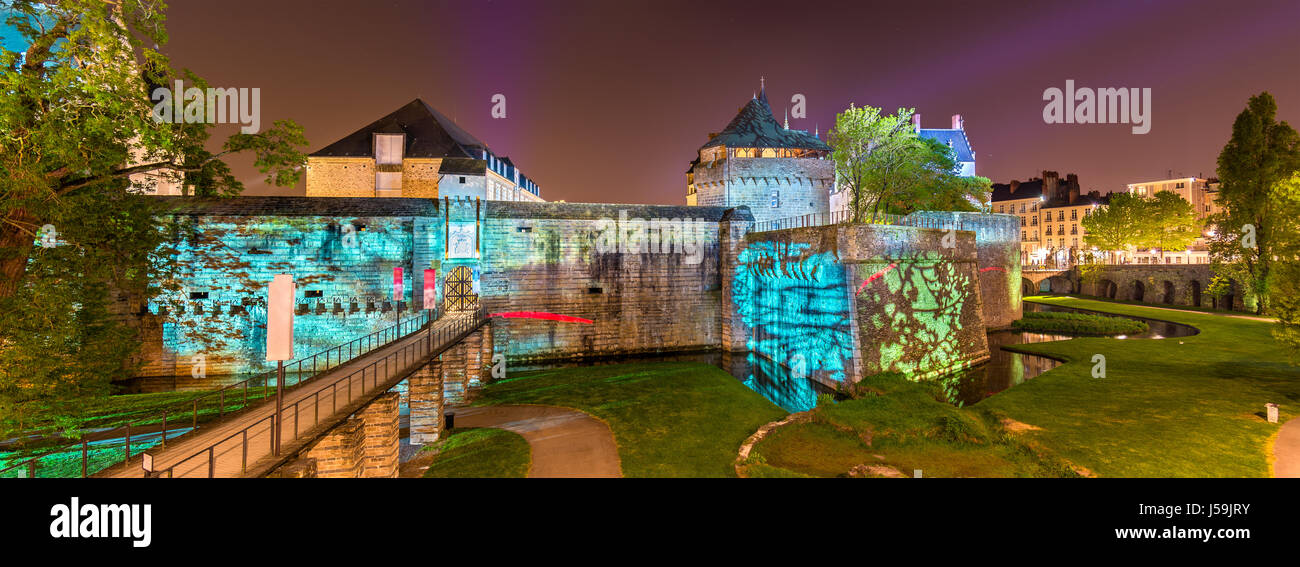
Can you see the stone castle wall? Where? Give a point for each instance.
(802, 184)
(643, 292)
(997, 243)
(837, 303)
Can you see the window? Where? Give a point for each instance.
(1074, 229)
(1033, 221)
(1074, 214)
(776, 199)
(462, 180)
(1002, 208)
(1022, 221)
(198, 295)
(313, 293)
(1060, 215)
(1022, 207)
(388, 181)
(388, 149)
(1024, 235)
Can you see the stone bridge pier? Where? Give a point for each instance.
(366, 444)
(450, 379)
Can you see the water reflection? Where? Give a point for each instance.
(1003, 370)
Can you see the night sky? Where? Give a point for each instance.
(607, 101)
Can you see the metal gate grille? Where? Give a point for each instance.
(458, 293)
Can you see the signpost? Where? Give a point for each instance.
(279, 342)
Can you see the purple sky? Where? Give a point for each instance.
(609, 100)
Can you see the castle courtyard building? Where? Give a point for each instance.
(416, 151)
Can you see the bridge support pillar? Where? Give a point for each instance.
(455, 377)
(382, 432)
(426, 392)
(474, 364)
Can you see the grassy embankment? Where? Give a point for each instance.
(1189, 406)
(481, 453)
(896, 428)
(669, 419)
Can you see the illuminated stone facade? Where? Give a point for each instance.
(756, 162)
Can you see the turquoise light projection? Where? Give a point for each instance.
(215, 303)
(796, 303)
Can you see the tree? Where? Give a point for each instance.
(1167, 222)
(1118, 226)
(1285, 285)
(1260, 155)
(888, 168)
(75, 127)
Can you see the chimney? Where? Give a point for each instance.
(1051, 182)
(916, 122)
(958, 123)
(1014, 185)
(1072, 185)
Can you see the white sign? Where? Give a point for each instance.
(279, 318)
(462, 240)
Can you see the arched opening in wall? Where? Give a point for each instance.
(1169, 294)
(1137, 291)
(1196, 293)
(1026, 287)
(1059, 284)
(1105, 288)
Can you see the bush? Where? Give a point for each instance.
(1078, 324)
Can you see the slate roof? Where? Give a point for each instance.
(756, 127)
(956, 139)
(462, 166)
(1032, 189)
(429, 134)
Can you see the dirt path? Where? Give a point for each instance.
(565, 442)
(1286, 450)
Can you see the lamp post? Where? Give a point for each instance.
(279, 343)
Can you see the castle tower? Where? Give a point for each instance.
(755, 161)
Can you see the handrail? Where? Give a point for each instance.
(364, 344)
(445, 337)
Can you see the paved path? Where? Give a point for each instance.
(238, 443)
(1286, 450)
(565, 442)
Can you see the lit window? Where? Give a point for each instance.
(776, 199)
(388, 149)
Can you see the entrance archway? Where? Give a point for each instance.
(1196, 293)
(1137, 290)
(1169, 294)
(458, 290)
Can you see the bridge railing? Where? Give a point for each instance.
(843, 217)
(394, 364)
(216, 404)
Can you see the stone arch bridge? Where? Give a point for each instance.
(1178, 284)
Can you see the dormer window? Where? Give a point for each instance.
(388, 149)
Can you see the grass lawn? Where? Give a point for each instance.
(669, 419)
(481, 453)
(905, 427)
(1187, 407)
(1075, 324)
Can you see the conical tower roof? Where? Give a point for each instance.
(756, 127)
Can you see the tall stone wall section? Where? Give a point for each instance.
(836, 303)
(802, 184)
(560, 258)
(997, 243)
